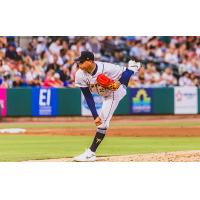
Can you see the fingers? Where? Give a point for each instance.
(114, 86)
(98, 121)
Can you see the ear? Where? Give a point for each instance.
(90, 61)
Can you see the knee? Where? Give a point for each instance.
(103, 128)
(104, 125)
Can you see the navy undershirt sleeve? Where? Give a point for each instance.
(126, 75)
(90, 101)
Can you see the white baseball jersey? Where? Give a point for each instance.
(84, 79)
(111, 99)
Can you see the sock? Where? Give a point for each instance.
(96, 142)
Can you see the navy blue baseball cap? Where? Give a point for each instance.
(85, 55)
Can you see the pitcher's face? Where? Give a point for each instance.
(85, 65)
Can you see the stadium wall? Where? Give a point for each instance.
(163, 101)
(198, 100)
(67, 101)
(19, 102)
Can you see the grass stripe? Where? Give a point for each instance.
(23, 147)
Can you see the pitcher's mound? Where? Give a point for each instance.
(178, 156)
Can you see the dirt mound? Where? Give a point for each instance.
(181, 156)
(178, 156)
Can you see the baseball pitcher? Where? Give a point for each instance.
(109, 81)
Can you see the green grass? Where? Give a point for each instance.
(26, 147)
(89, 125)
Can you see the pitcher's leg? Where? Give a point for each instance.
(108, 108)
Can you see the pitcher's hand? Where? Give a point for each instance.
(98, 121)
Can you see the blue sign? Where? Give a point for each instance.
(44, 102)
(85, 111)
(141, 100)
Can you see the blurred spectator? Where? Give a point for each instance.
(137, 50)
(2, 83)
(4, 69)
(17, 80)
(41, 45)
(93, 45)
(156, 78)
(56, 46)
(30, 51)
(65, 75)
(53, 80)
(138, 81)
(195, 80)
(57, 82)
(185, 80)
(49, 79)
(167, 77)
(171, 55)
(7, 82)
(19, 57)
(11, 51)
(31, 76)
(164, 58)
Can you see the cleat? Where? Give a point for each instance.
(134, 66)
(87, 156)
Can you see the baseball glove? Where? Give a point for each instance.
(107, 83)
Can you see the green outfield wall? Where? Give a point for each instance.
(163, 101)
(19, 102)
(198, 100)
(124, 105)
(67, 102)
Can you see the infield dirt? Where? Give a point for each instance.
(178, 156)
(136, 131)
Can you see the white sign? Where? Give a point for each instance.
(85, 111)
(185, 100)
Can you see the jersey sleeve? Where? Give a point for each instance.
(125, 77)
(79, 80)
(90, 101)
(113, 71)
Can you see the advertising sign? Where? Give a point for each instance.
(3, 102)
(185, 100)
(44, 102)
(141, 100)
(85, 111)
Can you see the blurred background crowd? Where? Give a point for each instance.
(49, 61)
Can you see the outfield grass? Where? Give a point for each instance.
(113, 124)
(26, 147)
